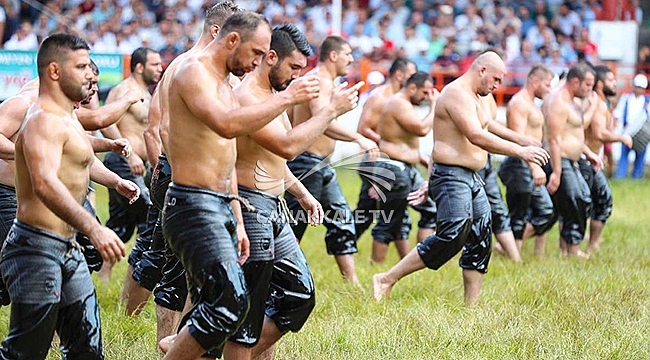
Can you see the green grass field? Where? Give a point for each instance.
(547, 308)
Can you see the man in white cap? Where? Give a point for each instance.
(633, 111)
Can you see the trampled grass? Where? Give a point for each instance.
(547, 308)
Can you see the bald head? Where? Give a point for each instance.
(488, 69)
(489, 59)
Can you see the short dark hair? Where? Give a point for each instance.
(601, 74)
(419, 79)
(331, 43)
(579, 72)
(287, 38)
(243, 23)
(94, 67)
(54, 47)
(400, 64)
(218, 13)
(139, 56)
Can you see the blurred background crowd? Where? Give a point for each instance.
(441, 36)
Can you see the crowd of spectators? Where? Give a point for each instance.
(439, 35)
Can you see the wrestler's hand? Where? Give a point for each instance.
(372, 192)
(313, 208)
(368, 146)
(136, 164)
(107, 243)
(302, 89)
(534, 154)
(419, 196)
(553, 182)
(134, 95)
(344, 100)
(243, 245)
(129, 190)
(595, 161)
(627, 141)
(539, 176)
(121, 147)
(433, 96)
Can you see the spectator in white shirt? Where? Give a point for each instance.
(23, 39)
(632, 111)
(535, 34)
(413, 45)
(568, 21)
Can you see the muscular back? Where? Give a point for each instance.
(565, 120)
(324, 146)
(134, 121)
(198, 155)
(397, 141)
(57, 132)
(458, 108)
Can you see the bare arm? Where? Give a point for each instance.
(504, 132)
(243, 244)
(241, 121)
(42, 146)
(152, 138)
(289, 144)
(111, 132)
(466, 119)
(599, 129)
(95, 119)
(408, 118)
(556, 121)
(100, 145)
(368, 122)
(12, 113)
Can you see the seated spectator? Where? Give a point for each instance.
(555, 61)
(447, 63)
(568, 21)
(103, 12)
(567, 52)
(643, 64)
(413, 45)
(23, 39)
(536, 34)
(361, 43)
(519, 67)
(422, 29)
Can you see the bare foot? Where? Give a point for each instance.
(582, 255)
(381, 286)
(166, 343)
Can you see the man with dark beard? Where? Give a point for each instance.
(400, 130)
(201, 219)
(277, 274)
(46, 274)
(597, 133)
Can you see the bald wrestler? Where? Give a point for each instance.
(461, 146)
